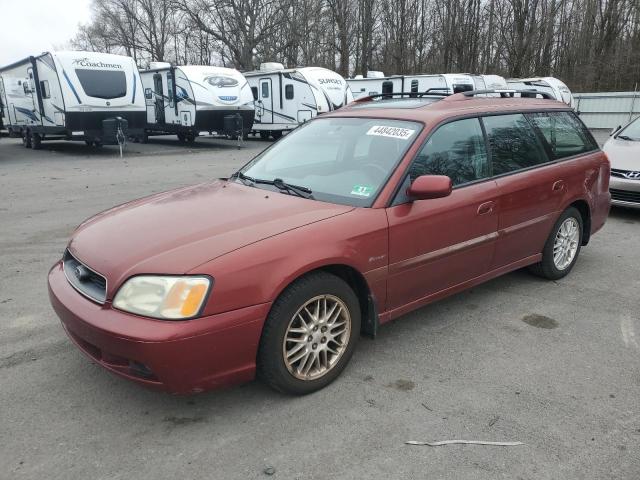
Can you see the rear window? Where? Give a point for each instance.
(103, 83)
(564, 134)
(513, 142)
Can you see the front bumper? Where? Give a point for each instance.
(624, 192)
(179, 357)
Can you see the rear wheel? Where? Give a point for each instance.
(191, 137)
(26, 138)
(182, 137)
(309, 335)
(562, 248)
(264, 135)
(276, 134)
(36, 140)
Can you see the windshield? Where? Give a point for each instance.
(631, 131)
(107, 84)
(341, 160)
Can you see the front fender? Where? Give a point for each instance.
(259, 272)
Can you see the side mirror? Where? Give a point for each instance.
(430, 186)
(615, 130)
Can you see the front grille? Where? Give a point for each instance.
(86, 281)
(625, 195)
(628, 174)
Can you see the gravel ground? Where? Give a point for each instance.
(555, 365)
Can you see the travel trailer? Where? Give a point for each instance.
(489, 82)
(544, 84)
(82, 96)
(287, 97)
(375, 83)
(187, 100)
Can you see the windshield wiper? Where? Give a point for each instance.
(280, 184)
(626, 137)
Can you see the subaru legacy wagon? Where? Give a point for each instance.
(352, 220)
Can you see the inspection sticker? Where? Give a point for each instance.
(393, 132)
(361, 190)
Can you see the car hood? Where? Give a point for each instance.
(175, 231)
(623, 154)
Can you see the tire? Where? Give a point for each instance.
(264, 135)
(36, 141)
(26, 138)
(89, 143)
(181, 137)
(285, 377)
(191, 137)
(276, 134)
(97, 144)
(144, 138)
(549, 267)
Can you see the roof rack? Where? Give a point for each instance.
(509, 93)
(427, 93)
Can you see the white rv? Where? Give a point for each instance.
(489, 82)
(374, 83)
(544, 84)
(286, 97)
(187, 100)
(92, 97)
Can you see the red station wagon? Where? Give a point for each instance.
(350, 221)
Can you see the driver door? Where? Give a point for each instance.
(437, 244)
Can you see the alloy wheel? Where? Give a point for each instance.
(565, 244)
(316, 337)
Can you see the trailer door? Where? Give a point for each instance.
(32, 92)
(265, 103)
(159, 95)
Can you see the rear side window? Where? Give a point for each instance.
(564, 134)
(44, 89)
(105, 84)
(513, 143)
(387, 86)
(288, 92)
(457, 150)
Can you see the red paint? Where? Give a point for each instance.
(255, 242)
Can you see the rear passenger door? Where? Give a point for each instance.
(531, 187)
(439, 243)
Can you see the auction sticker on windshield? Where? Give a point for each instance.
(393, 132)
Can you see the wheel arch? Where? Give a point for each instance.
(358, 283)
(585, 212)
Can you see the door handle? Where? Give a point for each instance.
(486, 208)
(558, 186)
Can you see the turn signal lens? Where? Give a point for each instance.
(167, 298)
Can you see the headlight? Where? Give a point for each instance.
(221, 81)
(168, 298)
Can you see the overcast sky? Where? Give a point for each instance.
(30, 27)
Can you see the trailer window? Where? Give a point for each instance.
(387, 86)
(462, 87)
(265, 90)
(105, 84)
(254, 91)
(414, 86)
(288, 92)
(44, 89)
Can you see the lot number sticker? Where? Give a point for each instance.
(392, 132)
(361, 190)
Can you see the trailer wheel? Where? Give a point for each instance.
(191, 137)
(97, 144)
(264, 135)
(276, 134)
(26, 138)
(36, 141)
(182, 137)
(89, 143)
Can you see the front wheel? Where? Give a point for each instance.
(36, 141)
(562, 248)
(309, 335)
(26, 139)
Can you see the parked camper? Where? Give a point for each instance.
(489, 82)
(286, 97)
(544, 84)
(373, 84)
(87, 96)
(187, 100)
